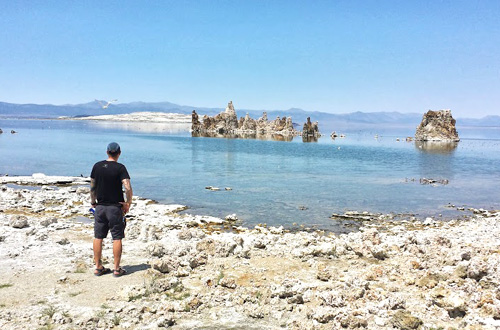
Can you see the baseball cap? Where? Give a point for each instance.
(113, 147)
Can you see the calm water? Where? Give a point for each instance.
(271, 180)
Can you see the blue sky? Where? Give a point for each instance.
(332, 56)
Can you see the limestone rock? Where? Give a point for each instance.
(231, 217)
(405, 321)
(332, 299)
(165, 321)
(353, 322)
(165, 265)
(437, 126)
(160, 265)
(48, 222)
(18, 221)
(228, 282)
(379, 252)
(39, 176)
(454, 305)
(323, 272)
(195, 123)
(477, 269)
(207, 246)
(310, 131)
(156, 250)
(323, 314)
(63, 241)
(460, 271)
(257, 313)
(247, 123)
(226, 123)
(197, 260)
(185, 234)
(83, 190)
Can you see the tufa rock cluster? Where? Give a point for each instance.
(437, 126)
(227, 122)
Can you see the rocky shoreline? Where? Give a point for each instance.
(196, 272)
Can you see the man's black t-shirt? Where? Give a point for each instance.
(108, 176)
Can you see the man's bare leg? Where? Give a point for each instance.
(98, 252)
(117, 252)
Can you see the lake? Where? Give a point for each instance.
(288, 183)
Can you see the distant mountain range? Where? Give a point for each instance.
(11, 110)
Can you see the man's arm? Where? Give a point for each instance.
(128, 195)
(93, 193)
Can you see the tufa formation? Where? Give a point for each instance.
(310, 129)
(437, 126)
(227, 122)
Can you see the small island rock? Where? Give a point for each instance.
(437, 126)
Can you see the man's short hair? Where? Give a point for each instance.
(113, 148)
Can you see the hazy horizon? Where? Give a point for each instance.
(334, 57)
(201, 107)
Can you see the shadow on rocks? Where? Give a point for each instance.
(136, 268)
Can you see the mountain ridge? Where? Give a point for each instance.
(50, 111)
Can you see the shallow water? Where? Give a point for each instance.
(82, 219)
(274, 182)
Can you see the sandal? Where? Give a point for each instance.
(119, 272)
(102, 271)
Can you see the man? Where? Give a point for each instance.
(106, 196)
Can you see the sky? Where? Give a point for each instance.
(331, 56)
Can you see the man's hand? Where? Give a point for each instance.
(93, 193)
(128, 195)
(125, 207)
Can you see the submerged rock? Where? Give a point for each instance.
(425, 181)
(437, 126)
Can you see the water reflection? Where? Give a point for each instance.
(436, 159)
(256, 136)
(147, 127)
(309, 138)
(436, 147)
